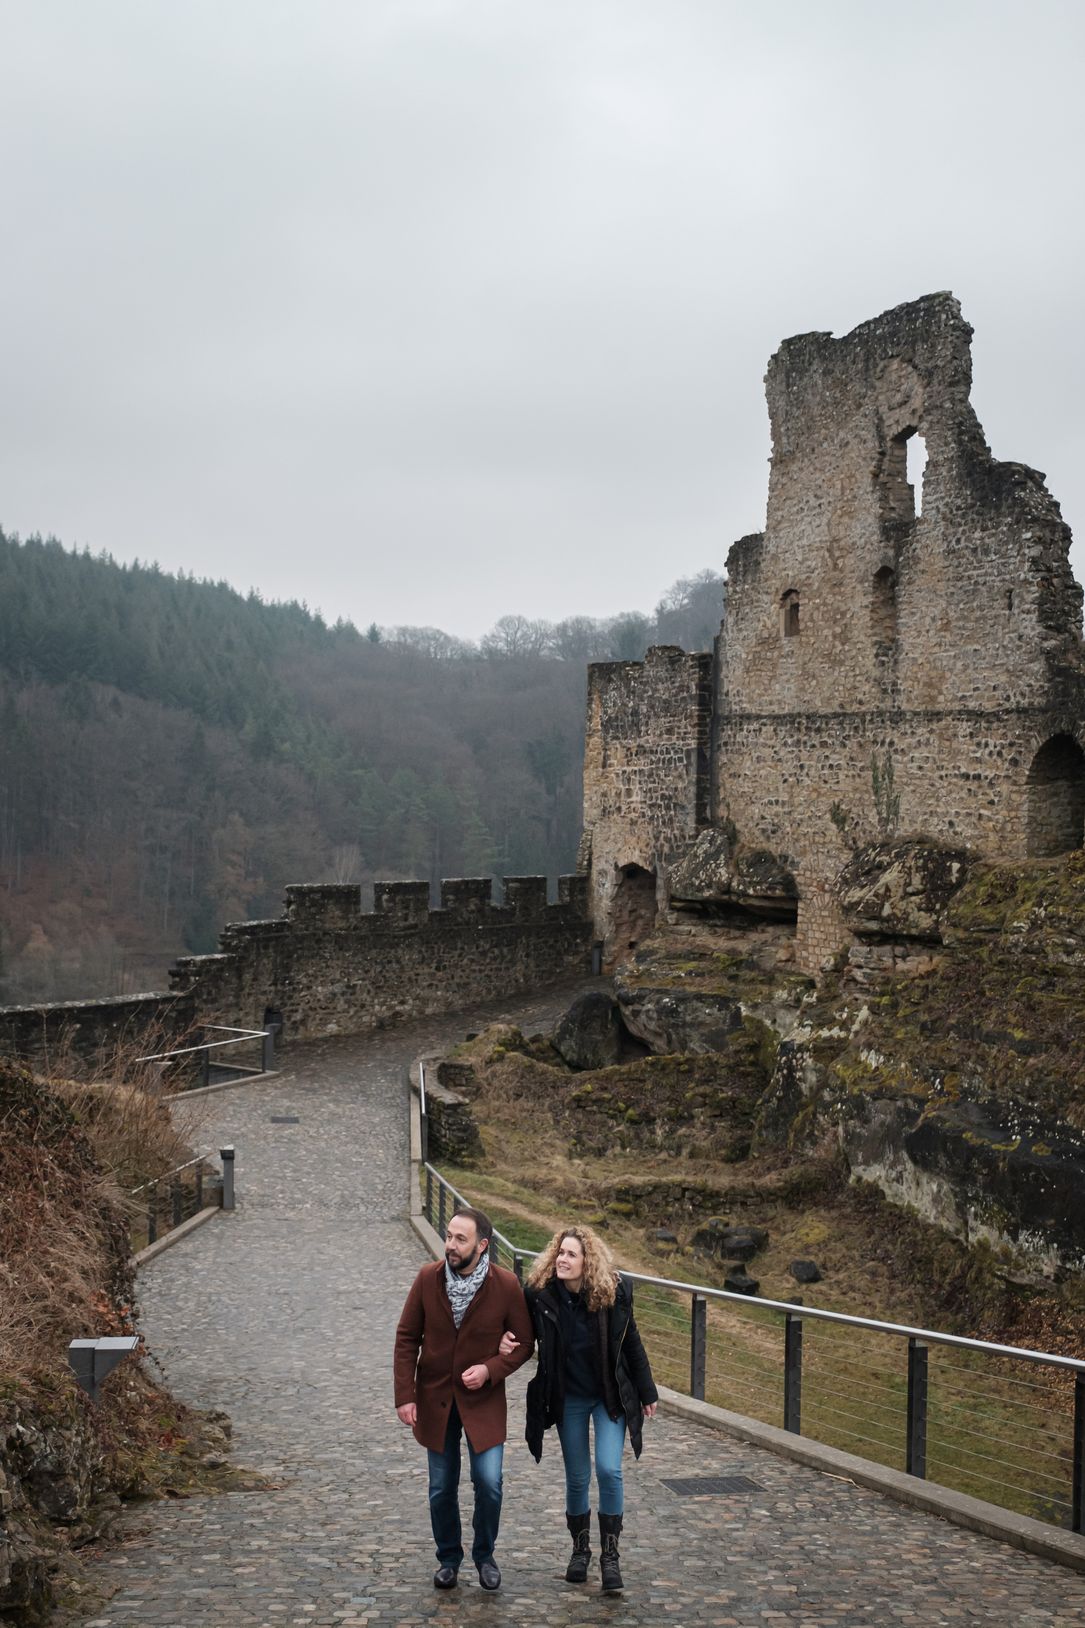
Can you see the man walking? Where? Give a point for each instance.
(450, 1379)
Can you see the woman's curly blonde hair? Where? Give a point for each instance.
(600, 1280)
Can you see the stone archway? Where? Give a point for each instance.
(1055, 807)
(633, 910)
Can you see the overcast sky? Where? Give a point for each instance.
(431, 310)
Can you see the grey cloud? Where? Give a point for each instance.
(428, 312)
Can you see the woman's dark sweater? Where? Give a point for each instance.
(580, 1345)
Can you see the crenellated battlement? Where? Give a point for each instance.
(402, 906)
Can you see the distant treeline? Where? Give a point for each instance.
(173, 752)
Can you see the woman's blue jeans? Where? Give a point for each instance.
(444, 1497)
(575, 1450)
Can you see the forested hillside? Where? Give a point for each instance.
(172, 753)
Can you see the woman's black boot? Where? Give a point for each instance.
(580, 1527)
(610, 1530)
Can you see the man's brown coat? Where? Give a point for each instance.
(431, 1354)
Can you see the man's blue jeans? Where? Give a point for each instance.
(444, 1496)
(575, 1450)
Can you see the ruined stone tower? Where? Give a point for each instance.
(882, 669)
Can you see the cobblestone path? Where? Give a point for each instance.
(284, 1315)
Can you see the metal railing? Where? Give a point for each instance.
(217, 1065)
(179, 1194)
(999, 1422)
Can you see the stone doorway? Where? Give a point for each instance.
(1056, 798)
(633, 914)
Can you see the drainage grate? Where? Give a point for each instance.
(285, 1119)
(694, 1486)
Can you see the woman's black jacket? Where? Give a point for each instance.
(623, 1364)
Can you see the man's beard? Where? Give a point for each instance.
(463, 1264)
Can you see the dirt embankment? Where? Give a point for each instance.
(67, 1154)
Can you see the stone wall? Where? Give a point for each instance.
(329, 968)
(646, 780)
(76, 1036)
(326, 967)
(885, 665)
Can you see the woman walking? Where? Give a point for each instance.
(592, 1368)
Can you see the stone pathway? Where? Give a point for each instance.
(284, 1315)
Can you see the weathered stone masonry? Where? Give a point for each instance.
(326, 967)
(646, 780)
(880, 669)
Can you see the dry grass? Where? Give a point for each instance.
(70, 1153)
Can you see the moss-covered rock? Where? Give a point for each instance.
(901, 889)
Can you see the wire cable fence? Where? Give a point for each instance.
(998, 1422)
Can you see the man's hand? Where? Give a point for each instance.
(650, 1409)
(408, 1413)
(509, 1343)
(474, 1378)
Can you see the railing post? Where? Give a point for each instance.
(176, 1203)
(205, 1067)
(518, 1266)
(793, 1373)
(429, 1195)
(1077, 1521)
(267, 1051)
(152, 1216)
(916, 1460)
(199, 1186)
(698, 1343)
(441, 1222)
(227, 1157)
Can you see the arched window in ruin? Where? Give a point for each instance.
(634, 910)
(1056, 798)
(789, 613)
(883, 606)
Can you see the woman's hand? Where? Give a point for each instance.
(509, 1343)
(650, 1409)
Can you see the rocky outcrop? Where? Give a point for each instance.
(590, 1033)
(679, 1020)
(986, 1171)
(718, 871)
(901, 890)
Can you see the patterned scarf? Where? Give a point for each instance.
(461, 1291)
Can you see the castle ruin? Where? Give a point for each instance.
(883, 668)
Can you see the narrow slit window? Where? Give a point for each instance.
(883, 606)
(789, 614)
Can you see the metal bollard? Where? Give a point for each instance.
(267, 1058)
(227, 1157)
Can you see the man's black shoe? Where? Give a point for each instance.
(445, 1577)
(488, 1575)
